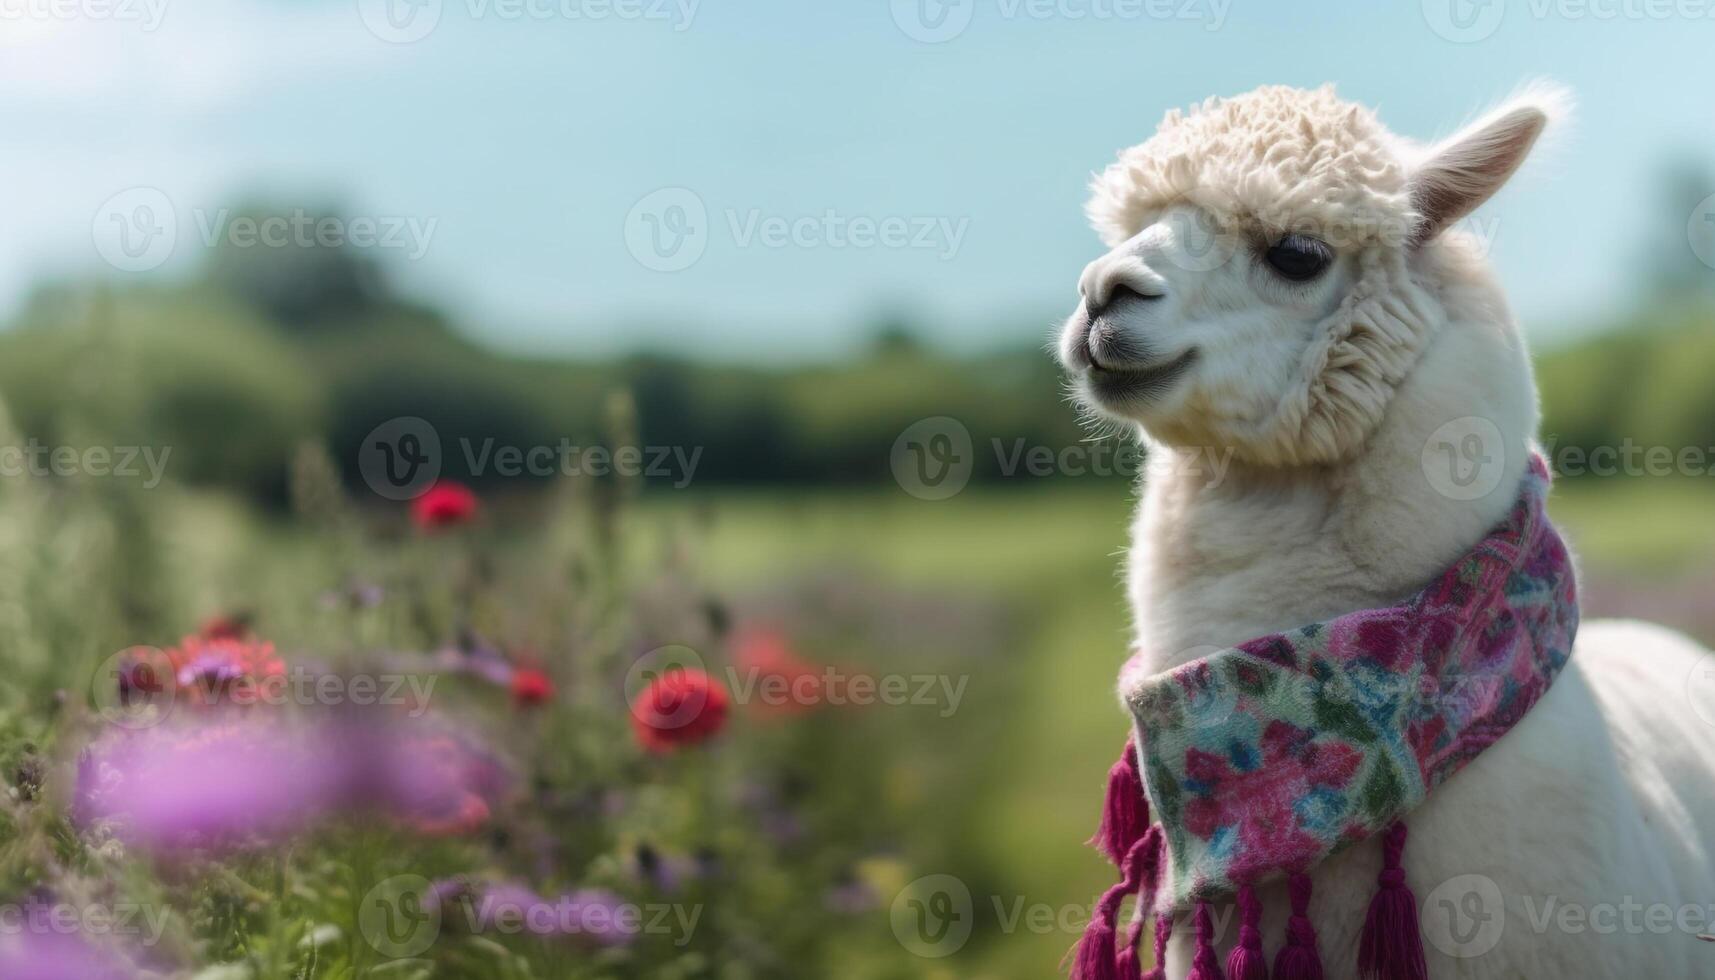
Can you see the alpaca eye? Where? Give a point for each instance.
(1299, 258)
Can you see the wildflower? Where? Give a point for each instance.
(531, 687)
(202, 784)
(54, 954)
(222, 627)
(212, 669)
(787, 684)
(681, 707)
(444, 504)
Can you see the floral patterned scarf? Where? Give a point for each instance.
(1263, 759)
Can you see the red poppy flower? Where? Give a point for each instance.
(233, 627)
(785, 683)
(444, 505)
(215, 670)
(531, 687)
(681, 707)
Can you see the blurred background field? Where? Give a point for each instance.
(779, 380)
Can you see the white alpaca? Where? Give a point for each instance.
(1284, 287)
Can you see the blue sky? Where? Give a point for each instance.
(519, 136)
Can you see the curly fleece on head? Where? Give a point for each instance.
(1283, 158)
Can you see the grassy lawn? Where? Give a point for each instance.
(1052, 553)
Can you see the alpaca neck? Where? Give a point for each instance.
(1216, 561)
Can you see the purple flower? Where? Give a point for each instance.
(56, 956)
(251, 779)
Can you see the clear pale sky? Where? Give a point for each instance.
(525, 133)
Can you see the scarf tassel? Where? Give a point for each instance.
(1205, 965)
(1095, 958)
(1392, 946)
(1246, 961)
(1163, 932)
(1125, 811)
(1298, 959)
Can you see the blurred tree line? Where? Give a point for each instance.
(271, 346)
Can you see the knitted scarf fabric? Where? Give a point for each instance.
(1263, 759)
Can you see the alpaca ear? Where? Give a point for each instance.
(1460, 173)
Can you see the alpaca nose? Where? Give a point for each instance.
(1115, 279)
(1121, 294)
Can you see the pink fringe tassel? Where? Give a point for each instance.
(1126, 964)
(1205, 965)
(1246, 961)
(1095, 957)
(1125, 811)
(1163, 932)
(1298, 959)
(1392, 948)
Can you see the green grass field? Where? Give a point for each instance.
(1052, 555)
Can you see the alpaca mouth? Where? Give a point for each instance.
(1129, 385)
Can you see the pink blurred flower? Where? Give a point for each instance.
(27, 955)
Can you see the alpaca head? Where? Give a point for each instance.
(1279, 264)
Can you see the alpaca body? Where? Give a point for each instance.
(1587, 807)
